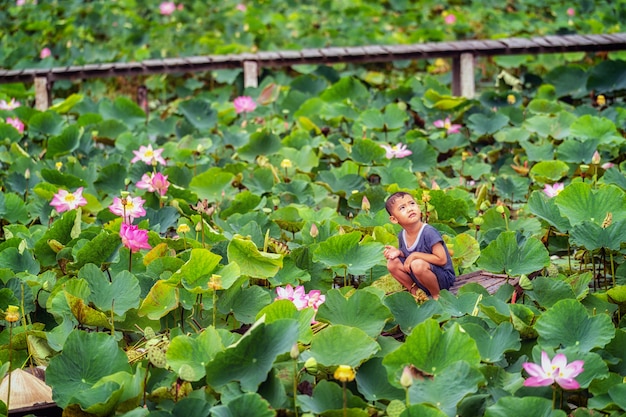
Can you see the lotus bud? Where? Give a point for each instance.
(55, 245)
(295, 351)
(478, 221)
(406, 380)
(500, 209)
(595, 159)
(286, 163)
(27, 174)
(601, 100)
(314, 231)
(365, 204)
(511, 99)
(58, 165)
(183, 228)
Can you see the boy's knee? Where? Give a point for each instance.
(419, 266)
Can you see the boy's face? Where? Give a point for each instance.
(405, 211)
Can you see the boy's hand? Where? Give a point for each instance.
(391, 253)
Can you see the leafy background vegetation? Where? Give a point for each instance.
(292, 193)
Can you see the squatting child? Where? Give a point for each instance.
(422, 259)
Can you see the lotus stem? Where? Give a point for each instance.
(295, 386)
(345, 399)
(214, 307)
(10, 363)
(612, 268)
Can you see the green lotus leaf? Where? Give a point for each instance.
(512, 135)
(423, 158)
(63, 179)
(98, 250)
(250, 360)
(327, 396)
(247, 405)
(64, 106)
(547, 291)
(545, 106)
(450, 209)
(588, 127)
(618, 395)
(431, 350)
(512, 188)
(433, 99)
(201, 264)
(607, 76)
(495, 308)
(111, 178)
(199, 113)
(251, 261)
(330, 346)
(64, 143)
(342, 185)
(85, 359)
(14, 210)
(614, 176)
(405, 313)
(346, 89)
(448, 388)
(19, 262)
(305, 159)
(366, 151)
(567, 323)
(372, 383)
(243, 302)
(288, 218)
(592, 236)
(260, 143)
(486, 124)
(579, 202)
(132, 384)
(194, 352)
(112, 129)
(523, 320)
(421, 410)
(347, 251)
(120, 293)
(100, 400)
(465, 249)
(532, 406)
(493, 343)
(211, 183)
(285, 309)
(460, 304)
(568, 80)
(49, 123)
(123, 109)
(362, 309)
(545, 208)
(548, 171)
(548, 126)
(260, 180)
(576, 152)
(9, 132)
(514, 254)
(162, 298)
(391, 119)
(616, 348)
(538, 152)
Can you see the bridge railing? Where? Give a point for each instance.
(462, 53)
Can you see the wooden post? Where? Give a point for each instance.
(250, 74)
(42, 94)
(463, 75)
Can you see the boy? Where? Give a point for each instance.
(422, 259)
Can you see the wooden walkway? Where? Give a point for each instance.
(461, 52)
(491, 282)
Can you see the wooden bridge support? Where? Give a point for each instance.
(463, 83)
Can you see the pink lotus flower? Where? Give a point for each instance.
(166, 8)
(607, 165)
(553, 190)
(314, 232)
(154, 182)
(365, 204)
(45, 53)
(149, 156)
(571, 12)
(297, 296)
(244, 104)
(448, 125)
(396, 151)
(64, 200)
(10, 105)
(241, 7)
(20, 2)
(557, 370)
(450, 19)
(133, 237)
(16, 123)
(129, 208)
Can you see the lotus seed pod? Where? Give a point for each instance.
(156, 356)
(187, 373)
(478, 221)
(500, 209)
(148, 333)
(395, 408)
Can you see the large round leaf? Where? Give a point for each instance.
(327, 396)
(49, 123)
(372, 382)
(347, 251)
(123, 109)
(448, 388)
(532, 406)
(64, 143)
(343, 345)
(251, 261)
(362, 309)
(514, 254)
(579, 202)
(431, 350)
(247, 405)
(189, 355)
(250, 360)
(162, 298)
(545, 208)
(568, 324)
(592, 236)
(211, 183)
(493, 343)
(119, 294)
(85, 359)
(546, 171)
(199, 113)
(285, 309)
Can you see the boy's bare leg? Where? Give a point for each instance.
(396, 269)
(426, 277)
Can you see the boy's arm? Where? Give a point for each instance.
(438, 257)
(391, 252)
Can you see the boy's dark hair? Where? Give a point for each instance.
(392, 199)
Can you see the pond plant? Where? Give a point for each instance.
(221, 254)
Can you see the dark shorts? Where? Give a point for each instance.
(444, 278)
